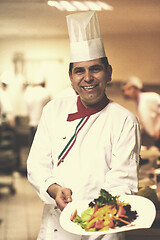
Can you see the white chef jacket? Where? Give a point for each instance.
(101, 151)
(149, 112)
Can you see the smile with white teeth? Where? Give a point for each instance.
(89, 87)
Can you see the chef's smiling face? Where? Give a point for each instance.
(89, 79)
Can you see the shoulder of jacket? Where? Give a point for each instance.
(60, 102)
(120, 111)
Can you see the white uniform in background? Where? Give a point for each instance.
(149, 112)
(6, 106)
(99, 151)
(69, 91)
(35, 99)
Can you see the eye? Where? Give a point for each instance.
(96, 68)
(79, 70)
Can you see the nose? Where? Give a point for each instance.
(88, 77)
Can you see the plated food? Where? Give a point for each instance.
(108, 214)
(105, 212)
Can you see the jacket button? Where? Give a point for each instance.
(55, 230)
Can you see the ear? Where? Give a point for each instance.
(70, 76)
(109, 73)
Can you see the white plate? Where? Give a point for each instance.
(145, 209)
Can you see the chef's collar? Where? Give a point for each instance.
(85, 112)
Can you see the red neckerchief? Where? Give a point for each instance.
(84, 112)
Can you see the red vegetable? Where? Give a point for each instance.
(121, 211)
(99, 224)
(111, 223)
(73, 215)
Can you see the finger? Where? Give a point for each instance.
(61, 202)
(68, 199)
(67, 194)
(61, 207)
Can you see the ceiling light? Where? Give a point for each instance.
(68, 6)
(93, 5)
(104, 6)
(56, 4)
(80, 5)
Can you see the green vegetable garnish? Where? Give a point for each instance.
(85, 216)
(104, 198)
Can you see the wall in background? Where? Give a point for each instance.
(136, 55)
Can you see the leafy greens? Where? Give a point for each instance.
(104, 198)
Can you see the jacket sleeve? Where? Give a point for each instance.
(40, 162)
(122, 178)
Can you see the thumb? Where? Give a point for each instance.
(67, 194)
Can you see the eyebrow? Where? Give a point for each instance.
(96, 66)
(90, 68)
(78, 68)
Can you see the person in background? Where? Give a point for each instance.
(84, 143)
(35, 98)
(7, 115)
(148, 107)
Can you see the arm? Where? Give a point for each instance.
(40, 167)
(123, 175)
(154, 106)
(157, 133)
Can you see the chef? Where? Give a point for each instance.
(6, 111)
(35, 99)
(84, 142)
(148, 108)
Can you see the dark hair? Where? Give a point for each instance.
(104, 61)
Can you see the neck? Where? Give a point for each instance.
(137, 96)
(95, 105)
(83, 111)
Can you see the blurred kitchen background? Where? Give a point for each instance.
(34, 44)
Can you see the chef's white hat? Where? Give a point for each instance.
(134, 81)
(85, 38)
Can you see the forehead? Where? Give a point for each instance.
(87, 64)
